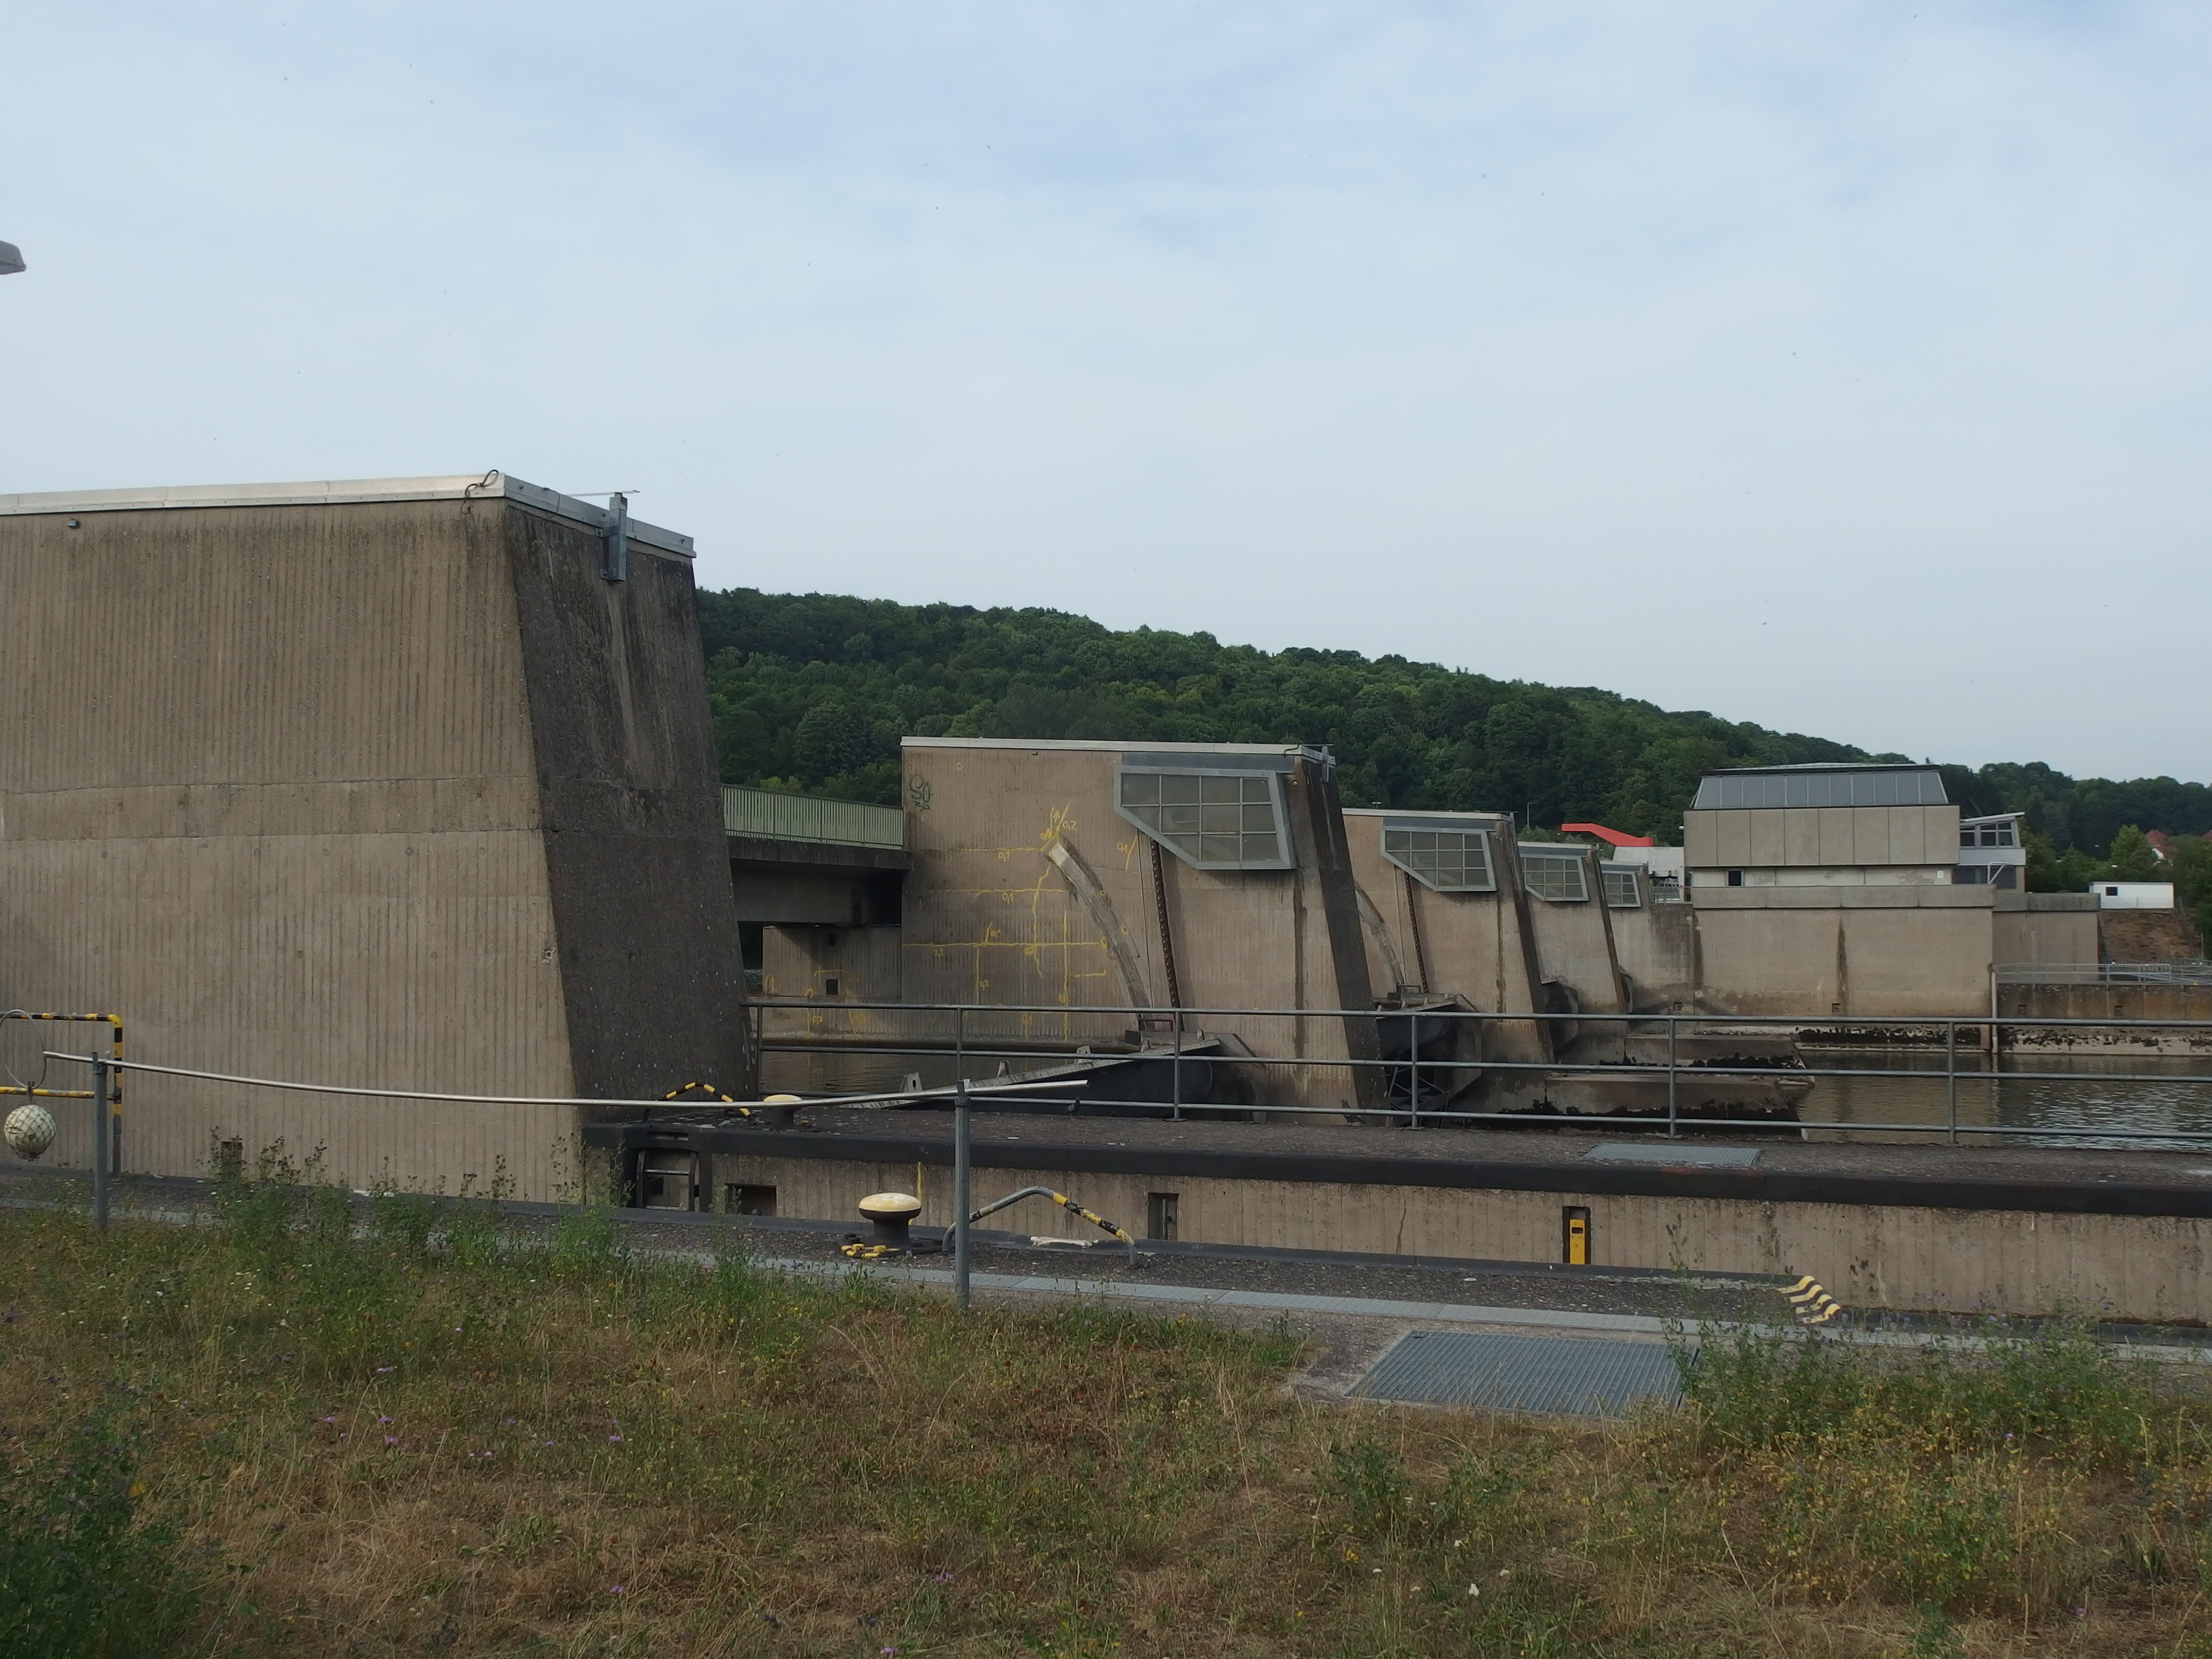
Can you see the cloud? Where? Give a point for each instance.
(1827, 366)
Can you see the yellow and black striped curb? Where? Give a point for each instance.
(1814, 1305)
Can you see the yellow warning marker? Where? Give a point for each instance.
(1814, 1305)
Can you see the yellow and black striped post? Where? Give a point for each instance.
(1813, 1304)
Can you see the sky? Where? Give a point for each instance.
(1841, 367)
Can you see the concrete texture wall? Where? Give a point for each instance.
(1574, 943)
(1868, 1257)
(2034, 927)
(1477, 947)
(991, 919)
(1656, 945)
(1819, 835)
(1846, 950)
(378, 794)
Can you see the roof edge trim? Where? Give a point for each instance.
(472, 486)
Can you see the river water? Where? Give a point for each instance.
(2113, 1100)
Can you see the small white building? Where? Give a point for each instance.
(2133, 895)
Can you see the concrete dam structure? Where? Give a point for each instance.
(400, 784)
(409, 785)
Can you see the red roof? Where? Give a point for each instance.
(1604, 834)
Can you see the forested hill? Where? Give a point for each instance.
(814, 692)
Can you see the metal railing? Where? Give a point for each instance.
(1963, 1054)
(778, 817)
(2103, 973)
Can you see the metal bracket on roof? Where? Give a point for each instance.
(614, 541)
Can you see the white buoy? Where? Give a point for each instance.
(29, 1130)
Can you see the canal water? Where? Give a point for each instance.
(2142, 1103)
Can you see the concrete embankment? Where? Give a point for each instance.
(2001, 1229)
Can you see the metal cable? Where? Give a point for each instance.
(532, 1100)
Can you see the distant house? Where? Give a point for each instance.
(2133, 895)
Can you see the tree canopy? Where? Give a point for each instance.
(813, 691)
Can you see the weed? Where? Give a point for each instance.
(410, 1429)
(80, 1571)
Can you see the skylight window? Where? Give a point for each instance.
(1621, 890)
(1554, 875)
(1449, 860)
(1854, 786)
(1215, 820)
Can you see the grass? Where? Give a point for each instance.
(317, 1428)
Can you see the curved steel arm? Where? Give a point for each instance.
(1065, 1203)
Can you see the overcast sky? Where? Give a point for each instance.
(1841, 367)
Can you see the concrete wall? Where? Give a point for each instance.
(2048, 928)
(1869, 1256)
(383, 793)
(1814, 836)
(1574, 943)
(1869, 951)
(991, 919)
(1657, 948)
(1477, 947)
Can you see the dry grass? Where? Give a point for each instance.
(410, 1441)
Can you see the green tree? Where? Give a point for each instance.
(1405, 734)
(2188, 862)
(2132, 858)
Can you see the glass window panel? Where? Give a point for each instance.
(1215, 820)
(1549, 876)
(1966, 838)
(1620, 889)
(1447, 861)
(2004, 836)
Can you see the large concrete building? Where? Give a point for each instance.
(401, 784)
(1835, 890)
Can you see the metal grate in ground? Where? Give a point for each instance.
(1562, 1376)
(1673, 1153)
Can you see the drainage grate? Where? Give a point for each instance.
(1672, 1152)
(1555, 1375)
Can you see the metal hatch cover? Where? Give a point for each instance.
(1565, 1376)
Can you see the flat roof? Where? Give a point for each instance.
(1113, 745)
(1825, 766)
(1444, 817)
(493, 485)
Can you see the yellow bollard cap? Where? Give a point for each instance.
(891, 1204)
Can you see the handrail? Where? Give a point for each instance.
(775, 816)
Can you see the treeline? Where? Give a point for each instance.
(813, 691)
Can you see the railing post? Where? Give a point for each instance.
(1414, 1070)
(1673, 1132)
(103, 1124)
(1951, 1075)
(1174, 1086)
(962, 1202)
